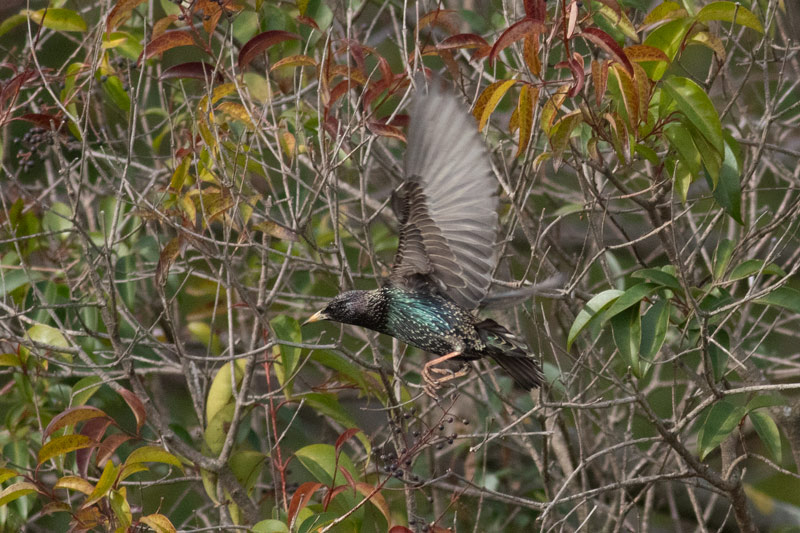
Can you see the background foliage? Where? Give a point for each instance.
(183, 183)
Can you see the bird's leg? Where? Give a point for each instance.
(433, 383)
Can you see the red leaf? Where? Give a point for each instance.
(301, 498)
(331, 494)
(514, 33)
(576, 66)
(536, 9)
(109, 446)
(164, 42)
(463, 40)
(384, 130)
(607, 43)
(261, 42)
(196, 70)
(308, 21)
(136, 406)
(48, 122)
(643, 52)
(344, 437)
(348, 477)
(446, 19)
(72, 416)
(121, 11)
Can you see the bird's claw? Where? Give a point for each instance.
(432, 383)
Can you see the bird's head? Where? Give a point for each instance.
(352, 307)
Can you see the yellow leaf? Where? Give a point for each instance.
(488, 100)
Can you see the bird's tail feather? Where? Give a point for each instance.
(511, 353)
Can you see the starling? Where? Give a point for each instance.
(447, 209)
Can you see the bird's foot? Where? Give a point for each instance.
(432, 383)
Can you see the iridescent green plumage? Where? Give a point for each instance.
(447, 209)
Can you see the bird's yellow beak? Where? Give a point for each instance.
(316, 317)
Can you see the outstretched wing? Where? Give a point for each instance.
(447, 206)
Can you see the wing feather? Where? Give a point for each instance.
(447, 205)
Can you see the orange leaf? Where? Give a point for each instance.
(447, 19)
(599, 79)
(530, 52)
(629, 96)
(644, 52)
(488, 100)
(166, 41)
(136, 406)
(294, 61)
(261, 42)
(607, 43)
(120, 12)
(514, 33)
(301, 498)
(528, 97)
(384, 130)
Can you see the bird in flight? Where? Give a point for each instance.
(447, 210)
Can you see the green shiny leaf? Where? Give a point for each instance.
(722, 257)
(698, 109)
(655, 323)
(630, 297)
(785, 297)
(719, 422)
(730, 12)
(718, 353)
(591, 312)
(768, 431)
(751, 267)
(58, 19)
(627, 329)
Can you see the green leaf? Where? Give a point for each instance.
(217, 429)
(719, 422)
(722, 257)
(560, 134)
(320, 461)
(152, 454)
(15, 491)
(220, 393)
(58, 19)
(785, 297)
(680, 139)
(718, 353)
(11, 280)
(116, 93)
(668, 39)
(660, 277)
(328, 405)
(590, 312)
(62, 446)
(768, 432)
(270, 526)
(728, 188)
(288, 329)
(11, 22)
(627, 329)
(85, 389)
(655, 323)
(247, 466)
(50, 336)
(730, 12)
(765, 400)
(751, 267)
(630, 297)
(58, 219)
(104, 484)
(696, 106)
